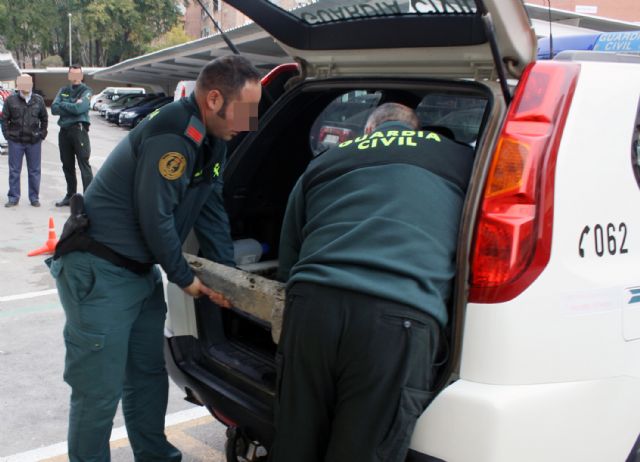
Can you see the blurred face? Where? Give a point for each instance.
(24, 84)
(75, 76)
(240, 114)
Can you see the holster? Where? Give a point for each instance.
(75, 238)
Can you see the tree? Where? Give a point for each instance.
(175, 36)
(52, 61)
(104, 32)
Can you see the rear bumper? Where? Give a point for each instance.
(230, 404)
(590, 421)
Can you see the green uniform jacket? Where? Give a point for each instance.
(160, 182)
(72, 105)
(379, 215)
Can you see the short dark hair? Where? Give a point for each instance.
(75, 66)
(227, 74)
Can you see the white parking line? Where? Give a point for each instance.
(119, 433)
(41, 293)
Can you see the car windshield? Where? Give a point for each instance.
(327, 11)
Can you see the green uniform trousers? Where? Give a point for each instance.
(354, 374)
(114, 349)
(74, 144)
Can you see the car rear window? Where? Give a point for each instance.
(331, 11)
(456, 116)
(460, 116)
(343, 119)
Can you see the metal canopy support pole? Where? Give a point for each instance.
(70, 46)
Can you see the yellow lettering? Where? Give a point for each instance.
(361, 138)
(374, 142)
(410, 141)
(387, 142)
(364, 144)
(408, 133)
(377, 135)
(392, 133)
(433, 136)
(420, 134)
(401, 141)
(345, 143)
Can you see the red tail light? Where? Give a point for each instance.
(512, 241)
(183, 93)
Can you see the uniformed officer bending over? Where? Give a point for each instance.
(72, 105)
(368, 248)
(161, 181)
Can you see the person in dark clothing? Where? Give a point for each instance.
(24, 126)
(160, 182)
(72, 105)
(368, 250)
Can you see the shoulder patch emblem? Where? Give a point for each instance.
(172, 165)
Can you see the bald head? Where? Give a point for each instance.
(391, 112)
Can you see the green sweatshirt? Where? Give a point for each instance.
(72, 105)
(379, 215)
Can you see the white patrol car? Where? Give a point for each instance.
(544, 337)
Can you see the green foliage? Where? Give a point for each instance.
(104, 32)
(52, 61)
(175, 36)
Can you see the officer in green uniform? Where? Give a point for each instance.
(159, 183)
(368, 249)
(72, 105)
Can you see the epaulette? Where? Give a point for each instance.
(195, 130)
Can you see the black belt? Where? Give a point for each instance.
(79, 240)
(75, 238)
(102, 251)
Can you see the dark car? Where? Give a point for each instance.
(113, 111)
(130, 117)
(121, 101)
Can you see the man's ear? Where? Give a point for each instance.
(215, 100)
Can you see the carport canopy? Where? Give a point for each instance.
(9, 69)
(165, 68)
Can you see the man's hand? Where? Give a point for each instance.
(197, 289)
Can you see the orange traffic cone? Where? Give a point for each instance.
(50, 245)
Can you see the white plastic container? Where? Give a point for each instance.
(246, 251)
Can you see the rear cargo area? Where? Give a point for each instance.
(231, 367)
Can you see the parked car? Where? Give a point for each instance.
(112, 94)
(544, 332)
(112, 114)
(119, 103)
(132, 116)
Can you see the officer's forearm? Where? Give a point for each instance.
(73, 108)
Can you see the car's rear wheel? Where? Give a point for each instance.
(239, 448)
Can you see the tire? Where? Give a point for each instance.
(238, 446)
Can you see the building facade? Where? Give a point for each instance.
(198, 24)
(623, 10)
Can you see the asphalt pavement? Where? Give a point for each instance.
(33, 396)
